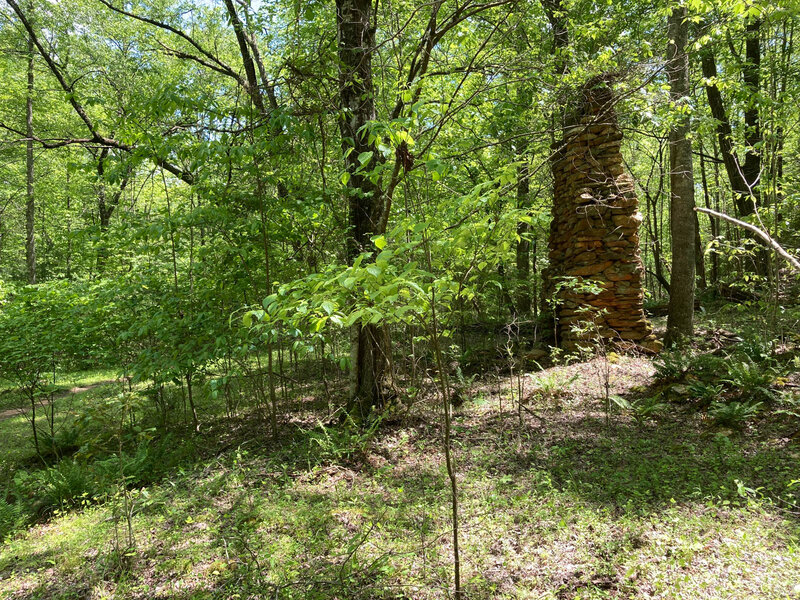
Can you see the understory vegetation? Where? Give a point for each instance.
(690, 489)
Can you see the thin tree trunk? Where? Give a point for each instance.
(106, 206)
(195, 421)
(712, 222)
(33, 423)
(273, 400)
(523, 254)
(682, 218)
(30, 204)
(743, 178)
(68, 272)
(699, 256)
(751, 170)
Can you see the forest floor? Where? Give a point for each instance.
(555, 503)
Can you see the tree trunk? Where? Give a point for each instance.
(68, 272)
(195, 420)
(699, 256)
(369, 353)
(106, 206)
(30, 204)
(557, 17)
(743, 178)
(712, 222)
(524, 229)
(752, 137)
(763, 235)
(682, 218)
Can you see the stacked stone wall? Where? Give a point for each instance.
(594, 235)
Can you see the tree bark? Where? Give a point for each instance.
(30, 204)
(699, 257)
(751, 170)
(712, 222)
(369, 354)
(743, 178)
(682, 218)
(558, 22)
(557, 17)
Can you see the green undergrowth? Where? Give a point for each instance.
(85, 455)
(691, 490)
(570, 510)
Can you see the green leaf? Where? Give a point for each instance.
(353, 317)
(380, 242)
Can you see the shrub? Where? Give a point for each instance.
(752, 381)
(342, 443)
(733, 414)
(65, 442)
(755, 348)
(12, 517)
(642, 409)
(706, 393)
(63, 484)
(673, 365)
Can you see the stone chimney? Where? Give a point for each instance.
(594, 235)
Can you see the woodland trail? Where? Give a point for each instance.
(14, 412)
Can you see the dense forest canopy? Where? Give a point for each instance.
(224, 202)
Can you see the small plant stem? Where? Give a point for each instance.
(444, 383)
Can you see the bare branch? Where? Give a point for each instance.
(68, 88)
(221, 66)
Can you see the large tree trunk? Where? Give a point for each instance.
(356, 36)
(30, 204)
(682, 218)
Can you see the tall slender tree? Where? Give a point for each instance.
(681, 177)
(30, 203)
(744, 177)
